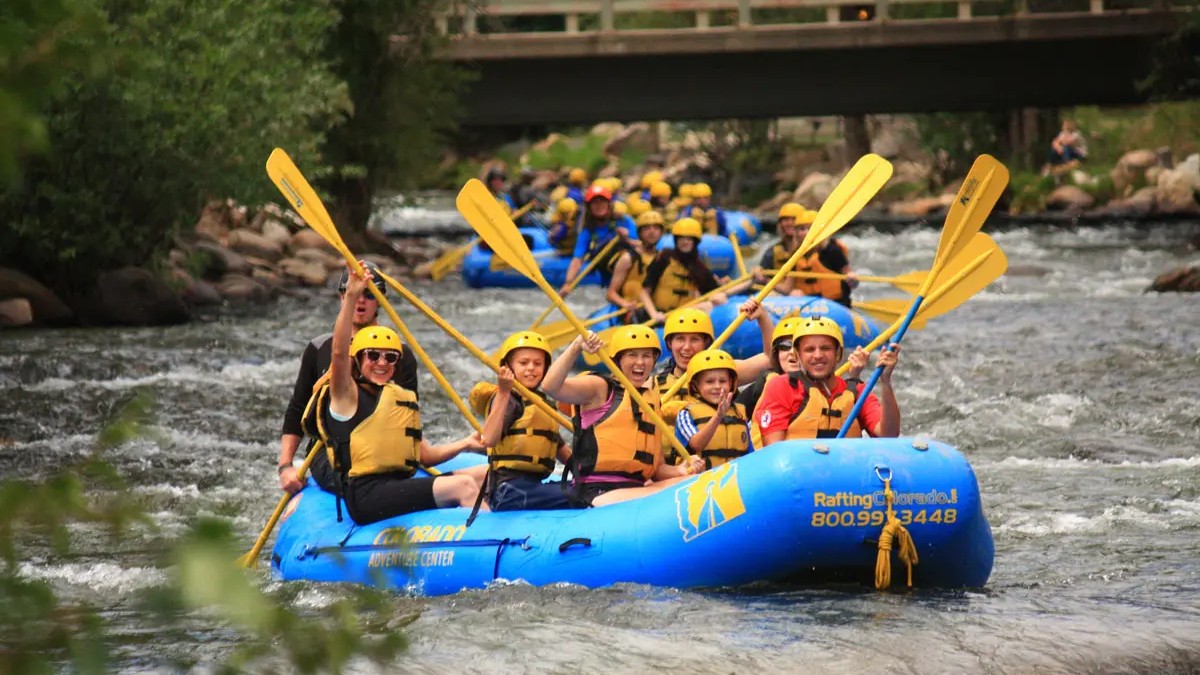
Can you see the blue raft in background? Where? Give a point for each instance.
(858, 330)
(797, 511)
(481, 270)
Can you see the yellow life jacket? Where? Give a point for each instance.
(755, 432)
(623, 442)
(566, 245)
(707, 217)
(632, 288)
(818, 417)
(670, 407)
(530, 444)
(732, 439)
(385, 439)
(828, 288)
(674, 288)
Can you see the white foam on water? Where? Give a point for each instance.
(101, 576)
(1073, 463)
(1047, 523)
(255, 374)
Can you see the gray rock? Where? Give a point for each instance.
(15, 313)
(132, 296)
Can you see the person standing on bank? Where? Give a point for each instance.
(313, 364)
(371, 426)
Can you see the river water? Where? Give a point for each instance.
(1074, 395)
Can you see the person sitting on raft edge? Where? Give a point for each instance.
(813, 402)
(371, 427)
(617, 451)
(712, 426)
(522, 440)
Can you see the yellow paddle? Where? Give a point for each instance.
(578, 278)
(250, 559)
(859, 185)
(979, 192)
(450, 260)
(737, 255)
(304, 200)
(560, 333)
(501, 234)
(475, 351)
(891, 310)
(606, 334)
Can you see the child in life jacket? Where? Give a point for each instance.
(713, 426)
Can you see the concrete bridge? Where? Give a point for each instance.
(558, 61)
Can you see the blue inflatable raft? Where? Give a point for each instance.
(858, 330)
(482, 270)
(797, 511)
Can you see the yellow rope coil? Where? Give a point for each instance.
(893, 530)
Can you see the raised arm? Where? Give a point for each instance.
(343, 395)
(582, 390)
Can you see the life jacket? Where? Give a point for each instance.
(632, 288)
(624, 442)
(755, 432)
(707, 217)
(669, 408)
(563, 234)
(827, 288)
(386, 437)
(818, 417)
(530, 444)
(732, 439)
(674, 288)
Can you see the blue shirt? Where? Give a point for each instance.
(598, 238)
(685, 428)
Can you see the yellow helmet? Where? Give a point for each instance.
(650, 178)
(660, 189)
(818, 325)
(791, 210)
(638, 206)
(806, 218)
(577, 176)
(687, 227)
(786, 329)
(712, 359)
(687, 320)
(649, 218)
(524, 339)
(634, 337)
(375, 337)
(701, 190)
(620, 208)
(567, 206)
(685, 190)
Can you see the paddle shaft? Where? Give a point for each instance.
(475, 351)
(574, 283)
(833, 275)
(251, 557)
(737, 254)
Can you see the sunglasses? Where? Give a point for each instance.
(376, 354)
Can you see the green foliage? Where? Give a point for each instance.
(1111, 132)
(405, 102)
(198, 94)
(41, 632)
(745, 154)
(1029, 191)
(40, 41)
(956, 139)
(1175, 74)
(586, 152)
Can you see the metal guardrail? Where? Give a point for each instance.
(463, 19)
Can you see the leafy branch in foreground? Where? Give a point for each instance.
(41, 632)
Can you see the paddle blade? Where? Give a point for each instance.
(980, 191)
(493, 225)
(910, 282)
(890, 310)
(297, 191)
(974, 269)
(861, 184)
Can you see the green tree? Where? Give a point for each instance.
(405, 101)
(198, 93)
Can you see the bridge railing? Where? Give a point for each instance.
(586, 17)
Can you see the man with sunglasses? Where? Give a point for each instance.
(313, 364)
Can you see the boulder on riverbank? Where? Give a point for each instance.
(132, 296)
(46, 308)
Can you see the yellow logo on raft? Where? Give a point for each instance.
(395, 536)
(713, 499)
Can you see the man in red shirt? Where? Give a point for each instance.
(814, 402)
